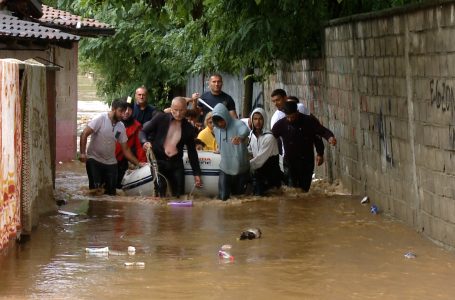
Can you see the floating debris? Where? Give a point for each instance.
(374, 209)
(226, 256)
(97, 250)
(410, 255)
(251, 233)
(138, 264)
(365, 200)
(131, 250)
(226, 247)
(186, 203)
(67, 213)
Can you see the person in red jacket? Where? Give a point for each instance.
(132, 127)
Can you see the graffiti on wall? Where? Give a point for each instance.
(385, 136)
(452, 136)
(442, 97)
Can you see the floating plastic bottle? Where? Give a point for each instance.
(410, 255)
(251, 233)
(365, 200)
(224, 255)
(374, 209)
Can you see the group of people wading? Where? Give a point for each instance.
(249, 151)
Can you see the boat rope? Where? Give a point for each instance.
(156, 181)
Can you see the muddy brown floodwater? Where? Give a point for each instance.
(314, 246)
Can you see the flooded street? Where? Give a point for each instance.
(321, 245)
(314, 246)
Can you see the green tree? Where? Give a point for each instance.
(159, 43)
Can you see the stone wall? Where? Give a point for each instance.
(386, 89)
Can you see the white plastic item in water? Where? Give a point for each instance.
(97, 250)
(135, 264)
(131, 250)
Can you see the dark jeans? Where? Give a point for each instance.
(101, 175)
(301, 172)
(267, 176)
(174, 172)
(122, 166)
(235, 184)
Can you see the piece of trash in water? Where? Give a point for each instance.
(131, 250)
(186, 203)
(135, 264)
(60, 163)
(225, 255)
(67, 213)
(374, 209)
(365, 200)
(410, 255)
(97, 250)
(61, 202)
(226, 247)
(251, 233)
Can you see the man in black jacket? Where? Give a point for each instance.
(142, 111)
(298, 132)
(166, 134)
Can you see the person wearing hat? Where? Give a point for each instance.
(132, 128)
(298, 133)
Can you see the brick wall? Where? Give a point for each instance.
(385, 87)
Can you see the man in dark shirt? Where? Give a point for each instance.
(298, 132)
(142, 111)
(215, 96)
(166, 134)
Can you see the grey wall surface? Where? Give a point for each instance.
(385, 87)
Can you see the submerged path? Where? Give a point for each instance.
(319, 245)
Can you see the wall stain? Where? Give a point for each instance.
(385, 137)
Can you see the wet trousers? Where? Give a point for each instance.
(267, 176)
(122, 166)
(235, 184)
(101, 176)
(174, 172)
(300, 172)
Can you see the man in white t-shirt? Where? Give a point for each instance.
(99, 159)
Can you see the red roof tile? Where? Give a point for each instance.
(66, 19)
(11, 26)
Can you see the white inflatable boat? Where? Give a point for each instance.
(139, 182)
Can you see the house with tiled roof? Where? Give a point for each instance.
(33, 35)
(29, 29)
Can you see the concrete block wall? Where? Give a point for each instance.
(387, 82)
(389, 97)
(66, 102)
